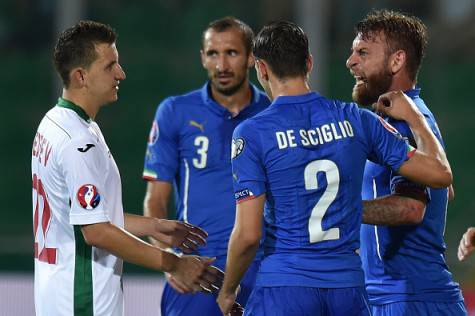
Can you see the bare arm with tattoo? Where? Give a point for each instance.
(393, 210)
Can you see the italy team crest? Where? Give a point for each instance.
(88, 196)
(154, 133)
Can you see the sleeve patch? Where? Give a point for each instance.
(243, 195)
(237, 147)
(154, 133)
(88, 196)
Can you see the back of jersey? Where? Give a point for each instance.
(307, 154)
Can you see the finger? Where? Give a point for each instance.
(215, 280)
(236, 309)
(188, 246)
(207, 260)
(196, 238)
(196, 230)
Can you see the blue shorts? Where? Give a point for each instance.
(419, 308)
(199, 304)
(307, 301)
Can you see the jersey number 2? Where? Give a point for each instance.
(41, 219)
(330, 169)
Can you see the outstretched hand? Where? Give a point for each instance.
(467, 244)
(180, 235)
(196, 274)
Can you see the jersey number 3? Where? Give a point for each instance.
(202, 143)
(330, 169)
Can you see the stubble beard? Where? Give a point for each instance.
(375, 85)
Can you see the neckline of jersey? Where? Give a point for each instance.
(293, 99)
(208, 100)
(76, 108)
(412, 93)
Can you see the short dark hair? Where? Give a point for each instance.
(228, 22)
(76, 46)
(402, 31)
(284, 46)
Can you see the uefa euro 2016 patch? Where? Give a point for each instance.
(88, 196)
(154, 133)
(243, 195)
(237, 146)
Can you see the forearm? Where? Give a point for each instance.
(140, 226)
(240, 255)
(393, 210)
(428, 144)
(128, 247)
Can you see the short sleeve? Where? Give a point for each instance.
(400, 185)
(386, 145)
(161, 157)
(248, 170)
(84, 164)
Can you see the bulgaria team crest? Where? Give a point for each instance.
(88, 196)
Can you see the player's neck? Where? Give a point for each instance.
(288, 86)
(402, 82)
(236, 102)
(83, 101)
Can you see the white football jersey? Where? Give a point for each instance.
(75, 182)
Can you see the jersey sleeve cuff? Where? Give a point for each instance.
(86, 219)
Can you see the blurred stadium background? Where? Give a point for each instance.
(159, 43)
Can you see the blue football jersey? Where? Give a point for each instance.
(307, 154)
(406, 263)
(190, 146)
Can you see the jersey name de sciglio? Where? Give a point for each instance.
(315, 136)
(75, 182)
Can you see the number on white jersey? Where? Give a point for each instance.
(202, 143)
(330, 169)
(41, 219)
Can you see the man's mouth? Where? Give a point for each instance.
(360, 80)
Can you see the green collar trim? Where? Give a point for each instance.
(76, 108)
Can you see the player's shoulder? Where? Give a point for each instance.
(67, 123)
(344, 105)
(183, 100)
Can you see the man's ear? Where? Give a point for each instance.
(397, 61)
(203, 58)
(309, 64)
(250, 60)
(261, 69)
(78, 77)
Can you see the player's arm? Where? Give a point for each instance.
(156, 206)
(467, 244)
(195, 272)
(168, 233)
(451, 196)
(404, 206)
(428, 164)
(243, 244)
(393, 210)
(156, 199)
